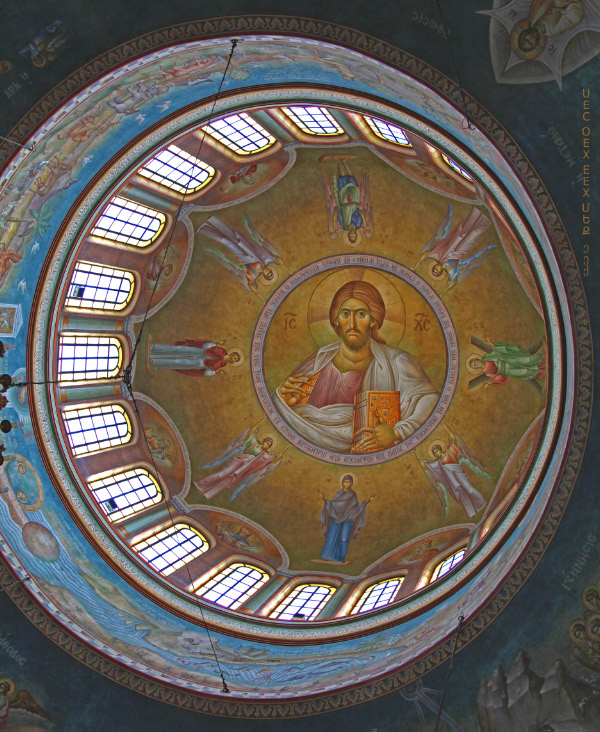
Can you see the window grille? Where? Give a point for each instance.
(387, 131)
(126, 222)
(456, 167)
(96, 287)
(304, 602)
(88, 357)
(240, 133)
(126, 493)
(313, 120)
(172, 548)
(448, 563)
(378, 595)
(177, 170)
(90, 429)
(231, 587)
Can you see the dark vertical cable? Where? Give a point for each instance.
(462, 93)
(441, 707)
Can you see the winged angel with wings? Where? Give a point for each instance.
(348, 202)
(449, 251)
(447, 475)
(246, 461)
(253, 254)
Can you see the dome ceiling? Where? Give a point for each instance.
(324, 390)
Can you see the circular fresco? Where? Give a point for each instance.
(359, 399)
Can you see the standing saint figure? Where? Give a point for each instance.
(501, 361)
(447, 475)
(342, 518)
(192, 357)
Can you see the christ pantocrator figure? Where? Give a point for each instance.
(317, 400)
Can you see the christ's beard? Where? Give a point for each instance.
(357, 340)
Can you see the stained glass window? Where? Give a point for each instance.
(448, 563)
(178, 170)
(125, 493)
(378, 595)
(231, 587)
(240, 133)
(313, 120)
(90, 429)
(96, 287)
(88, 357)
(387, 131)
(127, 222)
(456, 167)
(303, 603)
(172, 548)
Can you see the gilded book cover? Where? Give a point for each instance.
(372, 408)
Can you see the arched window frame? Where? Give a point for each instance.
(125, 240)
(440, 158)
(94, 485)
(82, 341)
(159, 182)
(364, 126)
(91, 275)
(149, 542)
(288, 120)
(221, 572)
(362, 588)
(86, 414)
(451, 557)
(276, 609)
(219, 141)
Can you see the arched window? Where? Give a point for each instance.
(456, 167)
(240, 133)
(178, 170)
(88, 357)
(126, 222)
(96, 287)
(313, 120)
(172, 548)
(448, 563)
(303, 603)
(231, 587)
(90, 429)
(383, 593)
(125, 493)
(387, 131)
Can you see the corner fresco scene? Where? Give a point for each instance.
(354, 361)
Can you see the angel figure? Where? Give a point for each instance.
(447, 475)
(253, 254)
(247, 461)
(22, 700)
(348, 202)
(449, 251)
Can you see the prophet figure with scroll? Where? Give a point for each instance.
(318, 399)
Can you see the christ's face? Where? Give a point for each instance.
(353, 323)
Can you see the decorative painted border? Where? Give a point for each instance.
(326, 265)
(580, 321)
